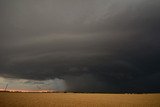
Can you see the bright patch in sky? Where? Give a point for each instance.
(24, 84)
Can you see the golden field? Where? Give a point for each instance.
(78, 100)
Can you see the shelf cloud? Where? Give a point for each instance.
(91, 46)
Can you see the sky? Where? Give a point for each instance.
(80, 45)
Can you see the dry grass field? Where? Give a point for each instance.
(78, 100)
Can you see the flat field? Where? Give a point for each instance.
(78, 100)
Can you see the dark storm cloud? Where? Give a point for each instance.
(104, 45)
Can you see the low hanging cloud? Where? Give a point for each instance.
(25, 84)
(91, 46)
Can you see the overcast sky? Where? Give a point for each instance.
(80, 45)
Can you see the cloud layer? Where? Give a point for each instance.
(94, 46)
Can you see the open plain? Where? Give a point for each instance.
(78, 100)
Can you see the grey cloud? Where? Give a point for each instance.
(103, 45)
